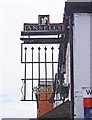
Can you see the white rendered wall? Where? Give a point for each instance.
(91, 50)
(82, 37)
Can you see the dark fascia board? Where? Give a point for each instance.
(77, 7)
(41, 32)
(44, 40)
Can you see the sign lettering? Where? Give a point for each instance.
(87, 92)
(34, 27)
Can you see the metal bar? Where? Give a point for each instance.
(71, 66)
(39, 62)
(37, 79)
(38, 98)
(57, 76)
(32, 72)
(46, 70)
(53, 94)
(39, 65)
(25, 76)
(41, 32)
(52, 64)
(21, 51)
(39, 68)
(44, 40)
(59, 60)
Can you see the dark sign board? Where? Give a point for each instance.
(43, 24)
(34, 27)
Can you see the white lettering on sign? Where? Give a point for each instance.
(87, 92)
(34, 27)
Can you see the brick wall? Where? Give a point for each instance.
(44, 106)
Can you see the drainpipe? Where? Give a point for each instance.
(71, 67)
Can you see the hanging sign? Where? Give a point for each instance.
(33, 27)
(43, 24)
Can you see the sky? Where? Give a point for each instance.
(13, 13)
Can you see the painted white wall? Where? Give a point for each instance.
(91, 50)
(82, 36)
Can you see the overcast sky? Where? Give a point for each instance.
(13, 13)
